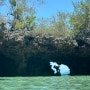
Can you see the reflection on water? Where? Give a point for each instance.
(45, 83)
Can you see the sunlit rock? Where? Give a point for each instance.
(62, 69)
(53, 65)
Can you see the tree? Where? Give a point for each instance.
(80, 19)
(19, 10)
(59, 23)
(2, 23)
(29, 24)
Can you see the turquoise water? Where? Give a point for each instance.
(45, 83)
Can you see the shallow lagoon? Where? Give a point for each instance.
(45, 83)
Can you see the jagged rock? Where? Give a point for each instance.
(33, 54)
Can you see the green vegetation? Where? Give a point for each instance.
(80, 19)
(28, 43)
(63, 24)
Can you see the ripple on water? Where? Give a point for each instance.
(45, 83)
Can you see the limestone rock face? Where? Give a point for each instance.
(31, 54)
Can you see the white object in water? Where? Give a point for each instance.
(53, 64)
(64, 70)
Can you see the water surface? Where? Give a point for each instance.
(45, 83)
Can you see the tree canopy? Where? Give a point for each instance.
(80, 18)
(21, 16)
